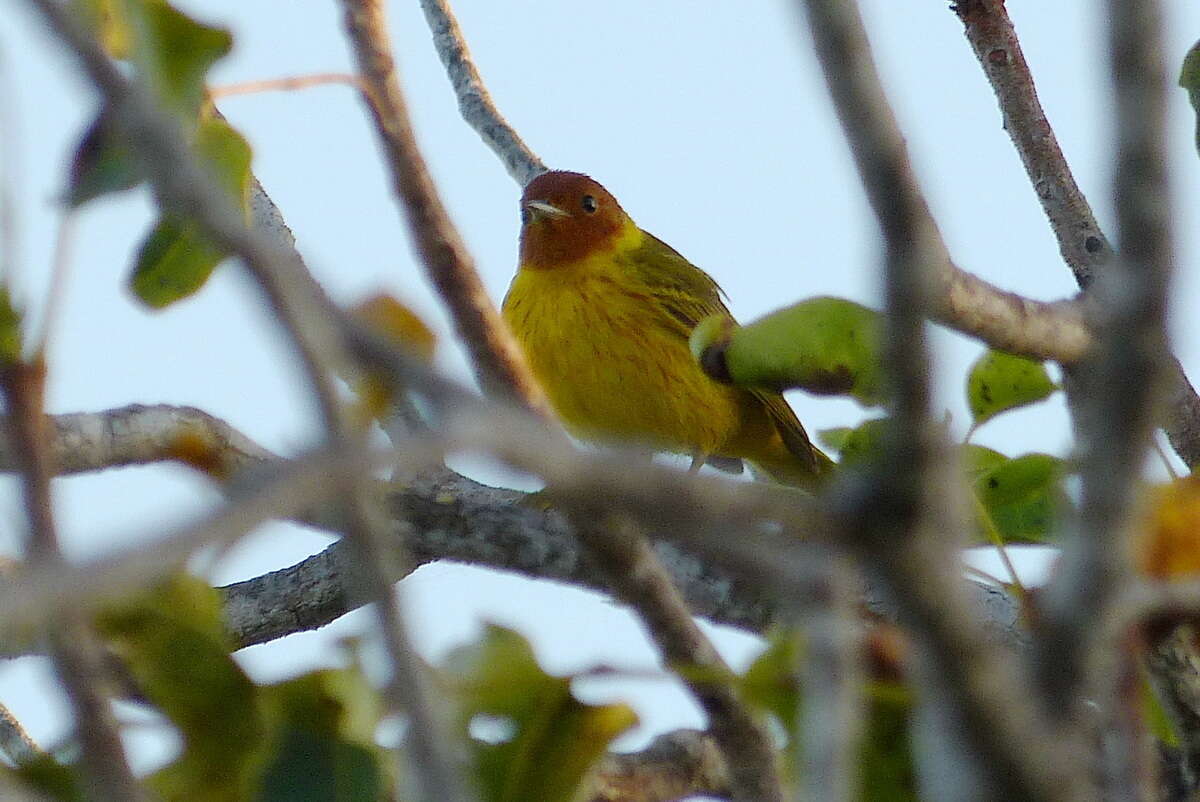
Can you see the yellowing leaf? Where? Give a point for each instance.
(107, 21)
(10, 329)
(1168, 544)
(999, 382)
(392, 319)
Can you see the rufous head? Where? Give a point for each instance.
(566, 217)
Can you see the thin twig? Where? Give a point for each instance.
(638, 578)
(473, 99)
(902, 510)
(60, 269)
(497, 359)
(287, 84)
(1083, 245)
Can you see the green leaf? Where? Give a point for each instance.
(102, 164)
(176, 259)
(323, 740)
(10, 329)
(772, 682)
(999, 382)
(861, 445)
(48, 776)
(173, 53)
(827, 346)
(550, 738)
(173, 262)
(1024, 496)
(977, 460)
(835, 438)
(1189, 79)
(887, 763)
(175, 646)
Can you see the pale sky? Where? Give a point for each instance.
(708, 121)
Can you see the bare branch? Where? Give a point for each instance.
(639, 579)
(38, 594)
(137, 435)
(1014, 748)
(473, 99)
(1083, 245)
(678, 764)
(497, 359)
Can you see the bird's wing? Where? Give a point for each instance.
(684, 291)
(689, 295)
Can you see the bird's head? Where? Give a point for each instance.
(566, 217)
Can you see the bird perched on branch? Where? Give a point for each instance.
(604, 310)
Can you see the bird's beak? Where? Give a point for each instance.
(543, 209)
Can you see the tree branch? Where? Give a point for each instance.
(900, 513)
(474, 101)
(678, 764)
(1114, 428)
(497, 359)
(1083, 245)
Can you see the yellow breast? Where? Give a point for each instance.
(612, 362)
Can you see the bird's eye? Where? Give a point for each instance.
(589, 204)
(526, 215)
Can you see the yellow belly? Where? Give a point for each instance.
(615, 369)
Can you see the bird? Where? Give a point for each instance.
(603, 311)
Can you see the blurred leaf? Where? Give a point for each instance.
(827, 346)
(107, 21)
(176, 259)
(552, 739)
(323, 741)
(1023, 496)
(174, 644)
(1157, 721)
(102, 163)
(1167, 545)
(10, 329)
(999, 382)
(977, 460)
(48, 776)
(887, 773)
(173, 262)
(394, 321)
(772, 682)
(173, 53)
(1189, 79)
(861, 445)
(835, 438)
(388, 317)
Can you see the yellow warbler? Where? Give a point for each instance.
(604, 310)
